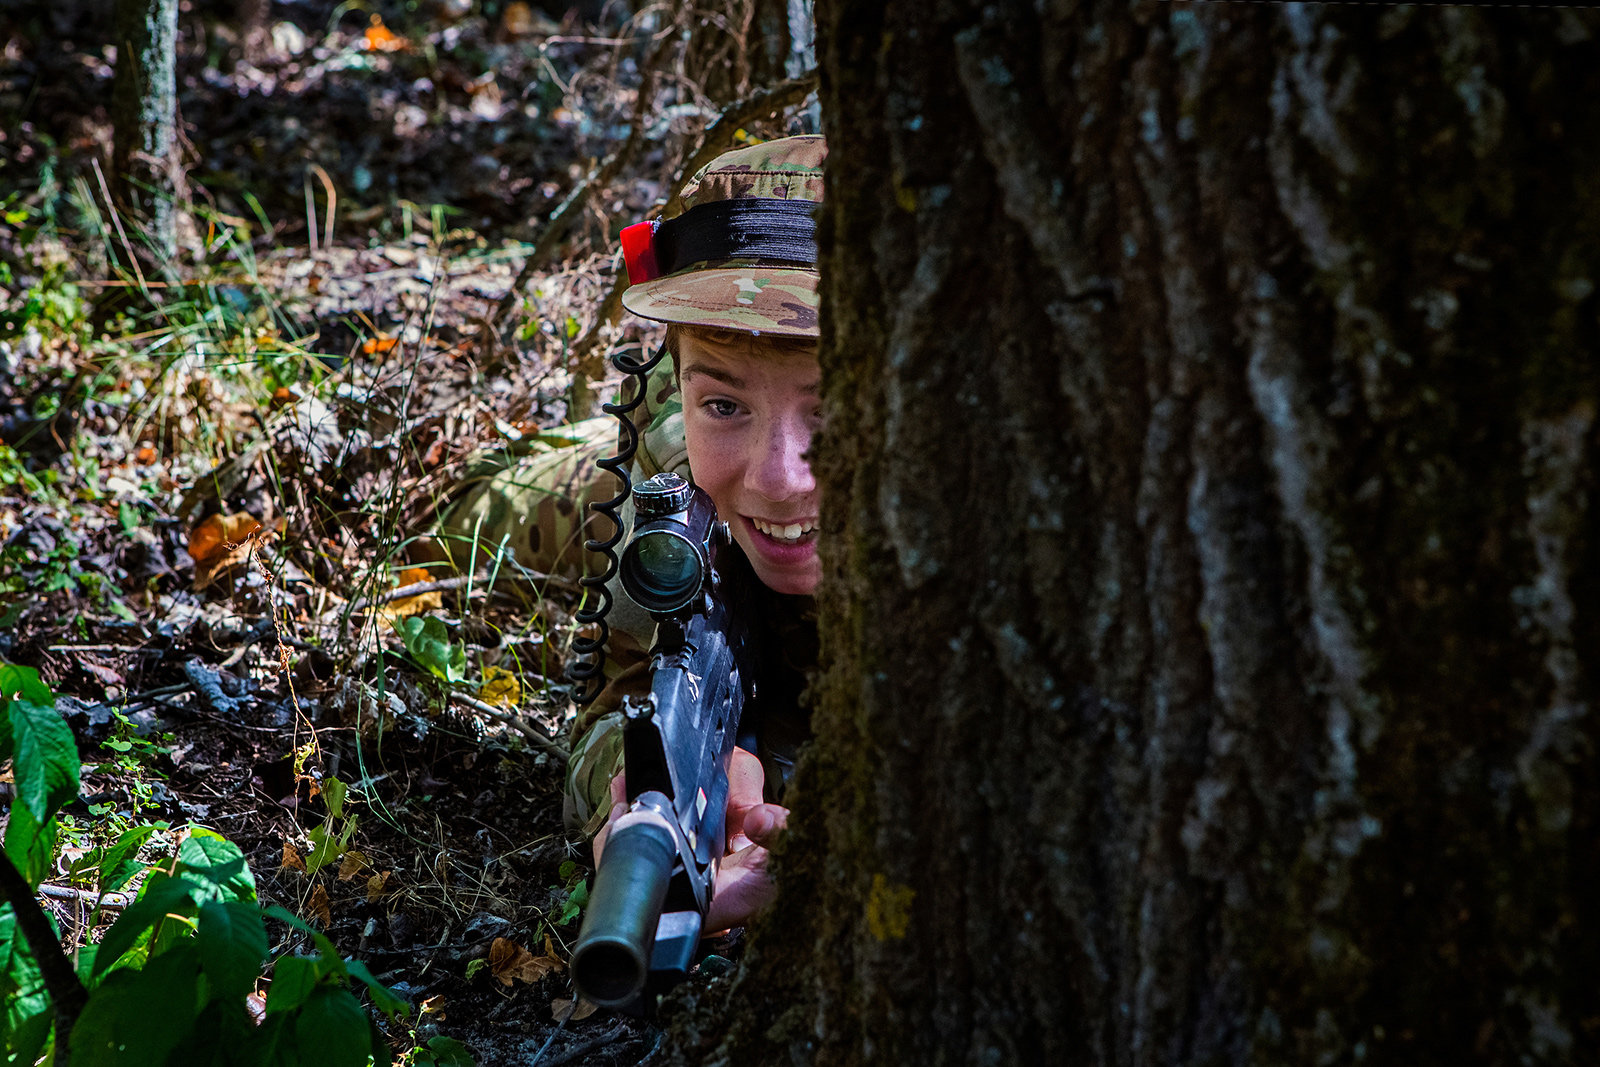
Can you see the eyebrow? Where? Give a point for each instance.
(695, 370)
(732, 381)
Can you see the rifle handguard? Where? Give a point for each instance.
(611, 960)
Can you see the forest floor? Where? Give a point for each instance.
(209, 486)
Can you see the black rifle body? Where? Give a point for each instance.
(658, 872)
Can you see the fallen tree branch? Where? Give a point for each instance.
(531, 730)
(66, 993)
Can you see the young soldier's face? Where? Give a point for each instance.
(749, 413)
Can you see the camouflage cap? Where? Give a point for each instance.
(772, 291)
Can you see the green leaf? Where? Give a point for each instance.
(32, 847)
(386, 1001)
(233, 946)
(447, 1052)
(219, 861)
(333, 1025)
(159, 898)
(293, 980)
(21, 681)
(26, 1018)
(140, 1016)
(119, 861)
(325, 848)
(332, 962)
(46, 759)
(426, 638)
(333, 794)
(127, 517)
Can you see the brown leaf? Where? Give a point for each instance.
(319, 905)
(434, 1005)
(561, 1009)
(292, 858)
(510, 962)
(354, 863)
(420, 604)
(376, 886)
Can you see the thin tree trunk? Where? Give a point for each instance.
(1210, 551)
(148, 174)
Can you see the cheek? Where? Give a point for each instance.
(714, 458)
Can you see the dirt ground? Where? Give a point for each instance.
(330, 383)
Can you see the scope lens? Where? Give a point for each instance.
(661, 571)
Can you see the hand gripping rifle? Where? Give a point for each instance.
(658, 871)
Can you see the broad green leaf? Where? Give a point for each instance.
(25, 681)
(444, 1051)
(158, 899)
(293, 980)
(219, 861)
(426, 638)
(233, 947)
(386, 1001)
(333, 1027)
(139, 1016)
(330, 960)
(325, 848)
(118, 862)
(25, 1018)
(46, 758)
(333, 794)
(30, 846)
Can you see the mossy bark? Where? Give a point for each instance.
(1210, 543)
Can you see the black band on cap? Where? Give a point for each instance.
(739, 229)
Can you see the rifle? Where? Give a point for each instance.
(658, 870)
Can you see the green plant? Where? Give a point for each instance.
(574, 894)
(428, 642)
(187, 950)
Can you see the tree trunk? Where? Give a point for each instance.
(1210, 543)
(148, 174)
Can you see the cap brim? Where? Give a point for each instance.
(751, 297)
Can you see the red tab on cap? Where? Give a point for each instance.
(639, 252)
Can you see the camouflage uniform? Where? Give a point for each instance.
(526, 509)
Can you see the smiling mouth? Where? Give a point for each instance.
(792, 533)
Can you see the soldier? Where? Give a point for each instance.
(734, 411)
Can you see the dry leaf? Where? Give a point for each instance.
(434, 1005)
(561, 1009)
(509, 962)
(381, 343)
(377, 884)
(517, 20)
(319, 905)
(500, 688)
(145, 455)
(292, 858)
(420, 604)
(354, 863)
(220, 542)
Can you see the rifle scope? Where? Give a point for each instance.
(667, 563)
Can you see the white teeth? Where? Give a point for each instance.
(792, 532)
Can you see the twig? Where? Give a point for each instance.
(67, 892)
(585, 1047)
(531, 730)
(414, 589)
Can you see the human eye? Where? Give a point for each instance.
(719, 407)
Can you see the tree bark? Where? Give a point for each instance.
(148, 175)
(1209, 544)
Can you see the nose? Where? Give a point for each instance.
(778, 470)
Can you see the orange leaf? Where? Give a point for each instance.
(146, 454)
(380, 343)
(381, 38)
(218, 542)
(292, 859)
(319, 905)
(433, 1005)
(354, 863)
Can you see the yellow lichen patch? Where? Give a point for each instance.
(889, 909)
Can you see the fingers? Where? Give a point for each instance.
(618, 810)
(746, 780)
(764, 822)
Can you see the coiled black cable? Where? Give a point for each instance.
(590, 652)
